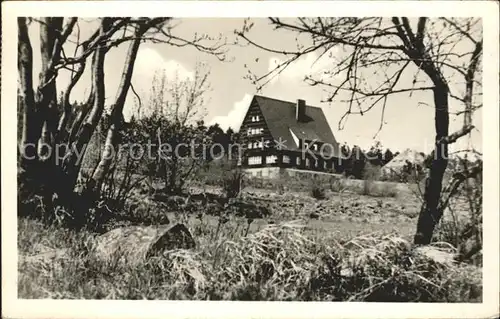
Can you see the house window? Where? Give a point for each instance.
(286, 159)
(255, 144)
(271, 159)
(315, 147)
(255, 131)
(261, 145)
(254, 160)
(255, 118)
(250, 145)
(325, 165)
(308, 162)
(297, 161)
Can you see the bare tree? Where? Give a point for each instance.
(176, 108)
(370, 55)
(181, 99)
(46, 128)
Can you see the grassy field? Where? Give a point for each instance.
(350, 246)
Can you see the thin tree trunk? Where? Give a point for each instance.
(47, 92)
(61, 127)
(72, 164)
(112, 137)
(25, 69)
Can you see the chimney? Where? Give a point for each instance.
(300, 110)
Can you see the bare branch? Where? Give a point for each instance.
(455, 136)
(138, 99)
(463, 32)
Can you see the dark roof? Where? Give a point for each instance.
(280, 119)
(305, 133)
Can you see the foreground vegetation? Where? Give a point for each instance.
(343, 248)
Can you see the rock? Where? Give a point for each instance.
(439, 256)
(135, 244)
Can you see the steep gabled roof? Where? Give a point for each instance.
(281, 121)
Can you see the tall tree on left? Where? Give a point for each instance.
(54, 132)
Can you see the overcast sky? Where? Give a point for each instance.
(408, 120)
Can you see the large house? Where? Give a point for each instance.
(286, 136)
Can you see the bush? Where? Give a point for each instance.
(464, 231)
(318, 192)
(233, 183)
(338, 185)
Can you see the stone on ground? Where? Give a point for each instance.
(134, 244)
(437, 255)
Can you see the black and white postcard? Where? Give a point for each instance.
(281, 159)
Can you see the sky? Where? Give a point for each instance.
(408, 123)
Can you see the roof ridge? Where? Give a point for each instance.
(275, 99)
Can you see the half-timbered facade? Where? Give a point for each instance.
(288, 135)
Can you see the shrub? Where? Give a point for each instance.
(233, 183)
(318, 192)
(464, 231)
(337, 185)
(367, 187)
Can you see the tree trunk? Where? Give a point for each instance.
(430, 214)
(47, 92)
(27, 100)
(73, 162)
(112, 137)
